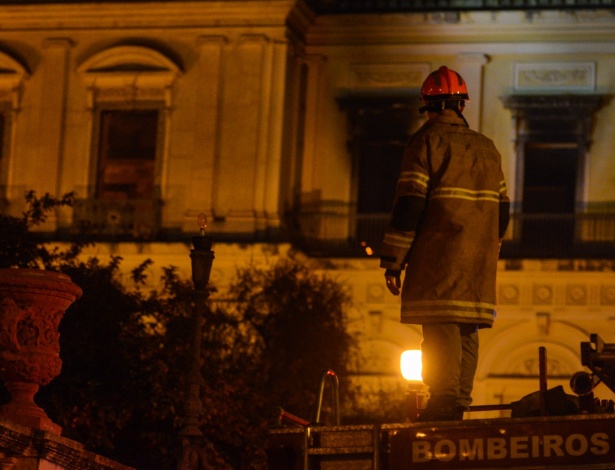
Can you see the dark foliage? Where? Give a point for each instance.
(21, 247)
(300, 328)
(126, 352)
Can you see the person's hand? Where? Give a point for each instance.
(393, 280)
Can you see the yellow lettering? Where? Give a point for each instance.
(535, 446)
(421, 451)
(467, 451)
(518, 447)
(553, 443)
(445, 450)
(496, 448)
(576, 449)
(600, 444)
(515, 447)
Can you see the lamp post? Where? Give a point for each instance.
(192, 455)
(411, 369)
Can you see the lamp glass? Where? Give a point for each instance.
(412, 365)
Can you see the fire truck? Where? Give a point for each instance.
(547, 430)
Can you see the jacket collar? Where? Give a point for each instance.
(447, 116)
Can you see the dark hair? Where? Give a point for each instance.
(454, 104)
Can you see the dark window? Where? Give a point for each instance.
(127, 154)
(379, 131)
(553, 136)
(378, 155)
(550, 177)
(549, 195)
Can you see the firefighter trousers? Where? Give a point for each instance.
(450, 358)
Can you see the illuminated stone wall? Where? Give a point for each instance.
(251, 125)
(217, 73)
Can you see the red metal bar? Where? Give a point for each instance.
(285, 415)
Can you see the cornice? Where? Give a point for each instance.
(145, 15)
(300, 20)
(387, 6)
(467, 27)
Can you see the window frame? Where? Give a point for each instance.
(553, 121)
(124, 78)
(93, 191)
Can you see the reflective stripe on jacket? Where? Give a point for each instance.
(451, 257)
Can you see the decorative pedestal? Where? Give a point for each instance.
(32, 304)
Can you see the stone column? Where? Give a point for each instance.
(267, 183)
(294, 133)
(470, 66)
(236, 174)
(264, 125)
(310, 181)
(53, 100)
(206, 126)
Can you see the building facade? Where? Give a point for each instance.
(284, 122)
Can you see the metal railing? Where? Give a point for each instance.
(341, 233)
(338, 234)
(328, 375)
(539, 236)
(131, 219)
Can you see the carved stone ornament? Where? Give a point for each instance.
(556, 75)
(32, 304)
(128, 75)
(388, 75)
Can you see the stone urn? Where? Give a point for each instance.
(32, 303)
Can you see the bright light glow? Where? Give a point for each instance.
(412, 365)
(202, 222)
(368, 249)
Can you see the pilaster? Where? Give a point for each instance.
(53, 98)
(470, 66)
(310, 182)
(206, 135)
(240, 156)
(264, 125)
(275, 103)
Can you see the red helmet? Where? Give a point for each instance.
(444, 84)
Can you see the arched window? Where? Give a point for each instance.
(129, 92)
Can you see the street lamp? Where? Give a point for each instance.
(192, 456)
(411, 369)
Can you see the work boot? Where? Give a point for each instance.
(440, 408)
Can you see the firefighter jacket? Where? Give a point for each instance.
(450, 213)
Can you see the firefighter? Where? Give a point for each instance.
(449, 216)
